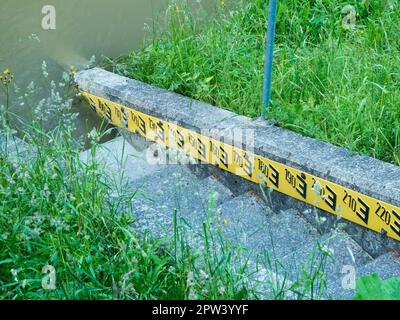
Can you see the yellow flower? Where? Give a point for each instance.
(6, 71)
(72, 71)
(225, 221)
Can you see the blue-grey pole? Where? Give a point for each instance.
(269, 55)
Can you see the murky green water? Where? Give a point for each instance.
(83, 28)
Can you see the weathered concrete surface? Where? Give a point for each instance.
(174, 189)
(366, 175)
(256, 226)
(341, 252)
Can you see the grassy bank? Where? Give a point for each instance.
(330, 82)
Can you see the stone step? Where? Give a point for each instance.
(174, 189)
(263, 238)
(333, 254)
(258, 229)
(386, 266)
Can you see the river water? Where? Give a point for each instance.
(83, 28)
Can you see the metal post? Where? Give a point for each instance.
(269, 55)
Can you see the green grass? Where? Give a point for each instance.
(340, 86)
(371, 287)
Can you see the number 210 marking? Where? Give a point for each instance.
(359, 207)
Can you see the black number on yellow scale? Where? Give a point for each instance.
(157, 126)
(395, 226)
(390, 219)
(106, 110)
(297, 182)
(358, 206)
(352, 201)
(140, 123)
(92, 103)
(269, 172)
(383, 214)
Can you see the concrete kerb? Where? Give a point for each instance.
(363, 174)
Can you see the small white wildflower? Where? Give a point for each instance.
(14, 273)
(146, 27)
(69, 257)
(325, 249)
(35, 37)
(16, 89)
(35, 233)
(30, 88)
(94, 135)
(65, 77)
(171, 269)
(91, 62)
(317, 188)
(5, 235)
(203, 275)
(193, 295)
(320, 220)
(44, 69)
(127, 275)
